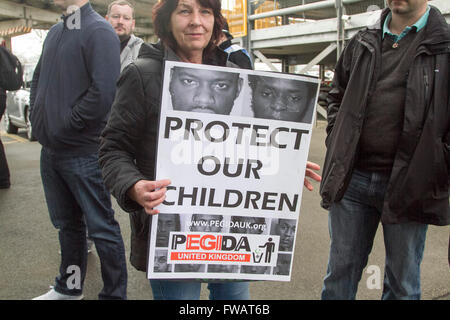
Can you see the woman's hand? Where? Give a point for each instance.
(309, 172)
(149, 194)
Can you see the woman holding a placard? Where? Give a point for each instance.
(189, 31)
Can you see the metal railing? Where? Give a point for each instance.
(301, 8)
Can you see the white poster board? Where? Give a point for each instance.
(234, 143)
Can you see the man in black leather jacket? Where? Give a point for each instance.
(387, 148)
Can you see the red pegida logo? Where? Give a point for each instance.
(210, 242)
(208, 247)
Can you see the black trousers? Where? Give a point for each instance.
(4, 169)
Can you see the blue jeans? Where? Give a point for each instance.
(353, 223)
(190, 290)
(76, 196)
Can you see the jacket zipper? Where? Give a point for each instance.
(422, 50)
(427, 85)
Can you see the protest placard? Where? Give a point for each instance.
(234, 144)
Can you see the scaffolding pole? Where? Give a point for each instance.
(340, 38)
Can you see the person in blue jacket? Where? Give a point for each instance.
(72, 91)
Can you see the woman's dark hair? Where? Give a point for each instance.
(162, 12)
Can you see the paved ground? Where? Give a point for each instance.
(29, 246)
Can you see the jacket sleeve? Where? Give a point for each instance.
(121, 138)
(339, 84)
(102, 55)
(34, 84)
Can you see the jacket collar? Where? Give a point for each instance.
(133, 41)
(83, 11)
(170, 55)
(420, 24)
(437, 31)
(152, 51)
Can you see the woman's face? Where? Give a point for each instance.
(192, 26)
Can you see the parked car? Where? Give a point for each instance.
(17, 113)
